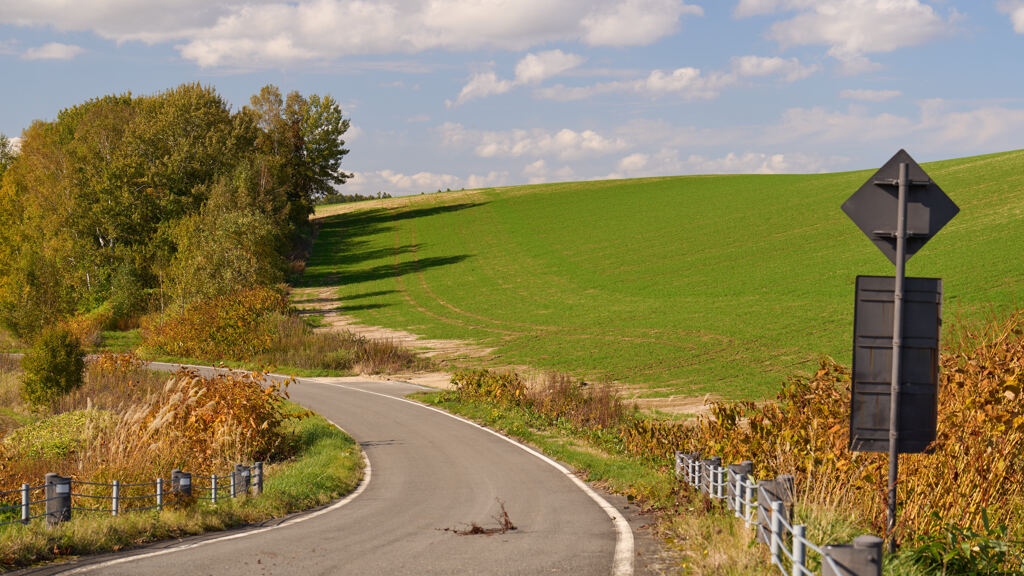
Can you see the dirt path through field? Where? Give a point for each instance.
(323, 301)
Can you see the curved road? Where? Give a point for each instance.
(430, 473)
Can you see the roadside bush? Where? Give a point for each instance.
(53, 367)
(234, 326)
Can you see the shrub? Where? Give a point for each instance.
(232, 327)
(53, 367)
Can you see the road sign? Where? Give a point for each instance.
(870, 400)
(874, 206)
(899, 208)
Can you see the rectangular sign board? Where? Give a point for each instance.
(872, 363)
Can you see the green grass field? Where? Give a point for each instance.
(684, 285)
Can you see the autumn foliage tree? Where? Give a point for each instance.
(157, 201)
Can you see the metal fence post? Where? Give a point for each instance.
(738, 485)
(26, 503)
(159, 493)
(259, 478)
(233, 486)
(213, 488)
(181, 482)
(776, 540)
(243, 480)
(58, 499)
(115, 496)
(799, 550)
(862, 558)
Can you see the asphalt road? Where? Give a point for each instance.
(429, 474)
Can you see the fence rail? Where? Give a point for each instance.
(767, 507)
(58, 496)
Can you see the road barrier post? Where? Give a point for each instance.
(181, 482)
(26, 503)
(259, 478)
(115, 497)
(776, 535)
(240, 480)
(862, 558)
(58, 499)
(799, 550)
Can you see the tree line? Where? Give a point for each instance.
(143, 203)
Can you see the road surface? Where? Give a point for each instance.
(429, 475)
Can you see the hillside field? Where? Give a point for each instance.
(679, 286)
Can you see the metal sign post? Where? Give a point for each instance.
(897, 344)
(921, 210)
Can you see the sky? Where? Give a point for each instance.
(473, 93)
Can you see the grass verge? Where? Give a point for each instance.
(328, 464)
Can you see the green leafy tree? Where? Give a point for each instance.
(6, 154)
(53, 367)
(123, 196)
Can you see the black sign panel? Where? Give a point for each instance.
(875, 205)
(872, 363)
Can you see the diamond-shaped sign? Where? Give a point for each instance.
(874, 207)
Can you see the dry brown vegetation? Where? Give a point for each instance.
(133, 425)
(965, 493)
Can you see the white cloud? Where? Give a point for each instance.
(417, 119)
(789, 70)
(565, 144)
(828, 126)
(688, 82)
(119, 20)
(248, 33)
(670, 161)
(354, 133)
(482, 85)
(531, 69)
(989, 127)
(747, 8)
(397, 183)
(870, 95)
(1015, 8)
(52, 51)
(8, 47)
(633, 162)
(535, 68)
(635, 22)
(852, 28)
(536, 172)
(15, 143)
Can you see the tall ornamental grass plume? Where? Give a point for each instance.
(199, 424)
(202, 425)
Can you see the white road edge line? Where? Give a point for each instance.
(367, 473)
(622, 563)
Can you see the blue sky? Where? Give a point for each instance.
(469, 93)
